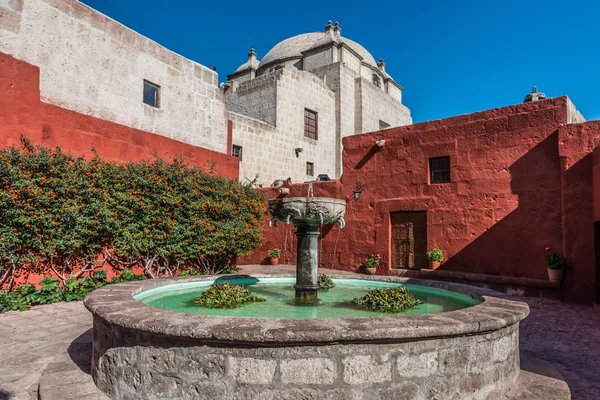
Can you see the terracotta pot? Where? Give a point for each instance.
(274, 260)
(434, 264)
(371, 271)
(555, 275)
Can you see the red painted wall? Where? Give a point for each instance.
(22, 113)
(521, 181)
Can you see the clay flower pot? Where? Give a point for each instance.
(434, 264)
(274, 260)
(371, 271)
(555, 275)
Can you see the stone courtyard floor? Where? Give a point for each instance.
(49, 347)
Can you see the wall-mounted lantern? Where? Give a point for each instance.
(359, 188)
(380, 143)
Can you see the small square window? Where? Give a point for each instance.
(439, 170)
(310, 124)
(383, 125)
(376, 80)
(151, 94)
(236, 151)
(310, 169)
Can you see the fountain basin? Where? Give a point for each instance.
(308, 210)
(145, 352)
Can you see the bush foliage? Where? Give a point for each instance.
(226, 295)
(51, 291)
(387, 300)
(65, 217)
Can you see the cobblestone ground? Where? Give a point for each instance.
(565, 335)
(568, 336)
(30, 340)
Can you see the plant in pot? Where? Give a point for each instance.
(556, 266)
(274, 256)
(372, 263)
(435, 256)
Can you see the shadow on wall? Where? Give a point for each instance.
(515, 240)
(4, 395)
(514, 243)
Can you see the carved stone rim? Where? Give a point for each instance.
(115, 305)
(308, 200)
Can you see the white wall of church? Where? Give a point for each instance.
(255, 98)
(374, 105)
(91, 64)
(269, 150)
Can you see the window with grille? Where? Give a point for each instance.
(151, 94)
(236, 151)
(310, 124)
(310, 169)
(439, 170)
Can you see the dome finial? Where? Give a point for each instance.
(328, 27)
(381, 65)
(337, 31)
(251, 55)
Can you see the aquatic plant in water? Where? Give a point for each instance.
(226, 295)
(325, 282)
(387, 300)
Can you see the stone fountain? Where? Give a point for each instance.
(308, 214)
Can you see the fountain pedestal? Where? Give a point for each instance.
(307, 263)
(307, 214)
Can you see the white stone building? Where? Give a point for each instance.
(291, 110)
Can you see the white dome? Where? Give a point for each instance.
(293, 47)
(249, 64)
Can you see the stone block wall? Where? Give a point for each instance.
(260, 145)
(93, 65)
(269, 148)
(374, 105)
(127, 363)
(255, 98)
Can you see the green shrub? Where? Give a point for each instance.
(275, 253)
(373, 261)
(554, 261)
(435, 255)
(63, 216)
(387, 300)
(226, 295)
(325, 282)
(27, 295)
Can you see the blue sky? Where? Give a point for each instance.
(451, 57)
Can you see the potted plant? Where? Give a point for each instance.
(435, 256)
(372, 263)
(274, 256)
(556, 266)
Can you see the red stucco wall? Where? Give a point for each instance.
(515, 190)
(22, 113)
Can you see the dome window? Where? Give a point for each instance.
(376, 80)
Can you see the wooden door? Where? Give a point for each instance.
(409, 239)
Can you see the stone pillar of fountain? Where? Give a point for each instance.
(307, 263)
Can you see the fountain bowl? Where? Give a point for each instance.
(308, 210)
(145, 352)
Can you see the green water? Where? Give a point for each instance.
(279, 293)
